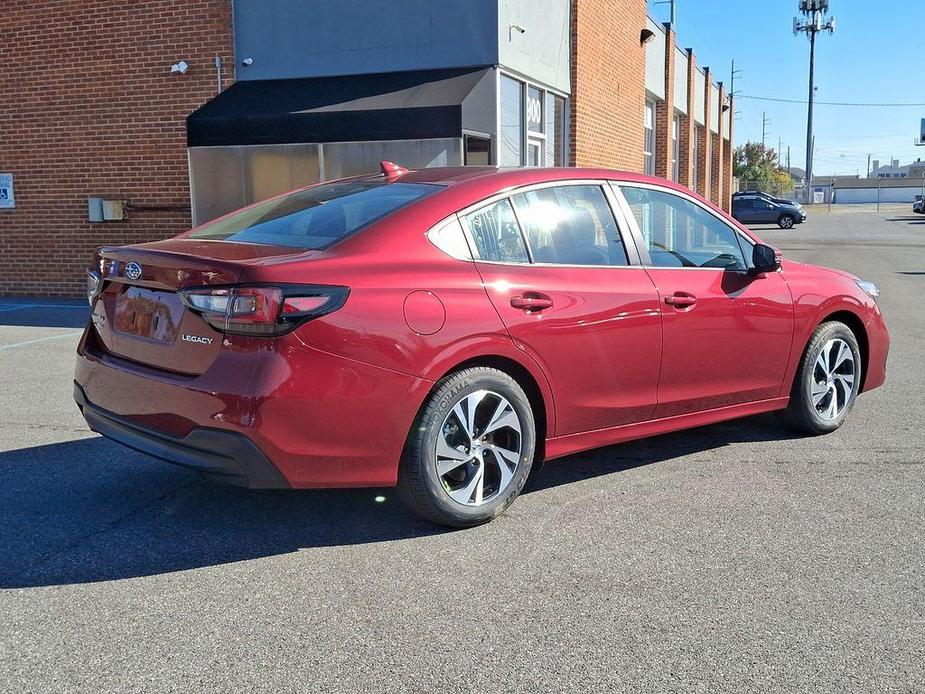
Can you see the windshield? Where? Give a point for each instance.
(316, 217)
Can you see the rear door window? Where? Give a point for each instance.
(316, 217)
(496, 234)
(570, 225)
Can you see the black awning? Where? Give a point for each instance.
(387, 106)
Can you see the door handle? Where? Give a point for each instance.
(531, 302)
(681, 300)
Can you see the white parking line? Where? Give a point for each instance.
(38, 339)
(19, 307)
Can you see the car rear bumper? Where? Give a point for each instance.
(224, 456)
(318, 419)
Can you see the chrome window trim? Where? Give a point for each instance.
(637, 232)
(634, 260)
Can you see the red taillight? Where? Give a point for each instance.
(258, 305)
(303, 304)
(259, 310)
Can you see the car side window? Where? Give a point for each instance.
(680, 233)
(570, 225)
(496, 233)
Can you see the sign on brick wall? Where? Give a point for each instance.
(7, 201)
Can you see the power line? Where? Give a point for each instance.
(830, 103)
(862, 137)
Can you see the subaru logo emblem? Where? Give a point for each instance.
(133, 270)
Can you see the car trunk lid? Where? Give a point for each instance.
(140, 315)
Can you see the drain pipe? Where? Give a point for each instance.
(218, 72)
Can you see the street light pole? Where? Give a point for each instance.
(814, 11)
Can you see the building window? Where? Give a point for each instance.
(477, 151)
(535, 122)
(676, 148)
(695, 158)
(555, 130)
(532, 128)
(649, 145)
(512, 122)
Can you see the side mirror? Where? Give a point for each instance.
(764, 259)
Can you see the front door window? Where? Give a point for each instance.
(680, 233)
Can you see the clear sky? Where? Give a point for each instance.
(877, 54)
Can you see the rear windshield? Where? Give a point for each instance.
(316, 217)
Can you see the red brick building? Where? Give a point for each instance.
(92, 109)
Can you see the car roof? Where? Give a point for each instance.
(521, 175)
(487, 180)
(466, 186)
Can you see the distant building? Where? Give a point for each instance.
(849, 190)
(797, 175)
(895, 170)
(917, 169)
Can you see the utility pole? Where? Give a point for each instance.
(788, 159)
(868, 166)
(814, 12)
(779, 147)
(732, 79)
(764, 126)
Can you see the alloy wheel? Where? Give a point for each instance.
(478, 448)
(833, 379)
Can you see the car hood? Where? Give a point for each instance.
(794, 266)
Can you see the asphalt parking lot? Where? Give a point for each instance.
(734, 557)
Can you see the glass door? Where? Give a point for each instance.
(534, 152)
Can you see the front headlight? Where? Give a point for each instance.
(869, 288)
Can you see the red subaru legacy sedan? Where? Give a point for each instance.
(445, 330)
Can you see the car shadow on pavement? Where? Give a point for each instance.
(89, 510)
(45, 313)
(625, 456)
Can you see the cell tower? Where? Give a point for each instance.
(814, 20)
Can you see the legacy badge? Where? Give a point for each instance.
(196, 338)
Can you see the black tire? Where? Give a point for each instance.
(786, 221)
(801, 414)
(420, 486)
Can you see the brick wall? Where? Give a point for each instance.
(89, 108)
(608, 101)
(664, 114)
(608, 84)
